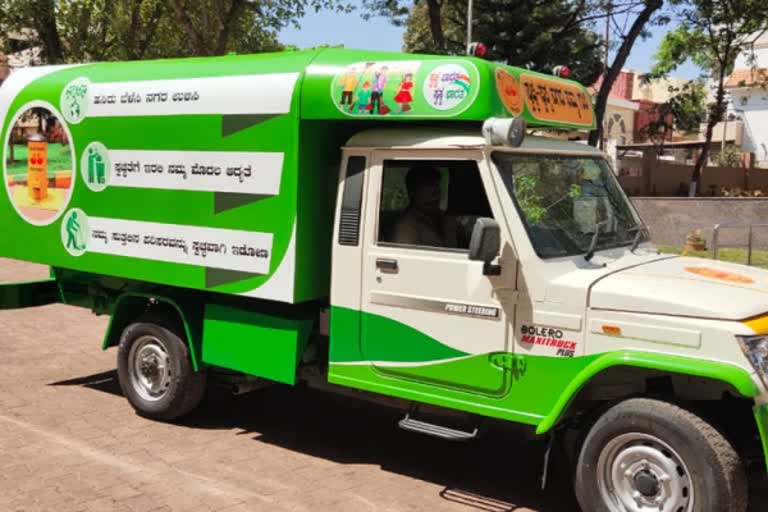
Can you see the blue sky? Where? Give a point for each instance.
(378, 34)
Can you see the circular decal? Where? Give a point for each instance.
(74, 100)
(722, 275)
(39, 163)
(447, 86)
(75, 232)
(509, 91)
(95, 167)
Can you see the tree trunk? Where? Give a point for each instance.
(715, 115)
(227, 22)
(651, 6)
(436, 23)
(185, 21)
(45, 24)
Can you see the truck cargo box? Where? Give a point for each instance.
(219, 173)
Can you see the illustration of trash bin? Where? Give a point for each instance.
(37, 167)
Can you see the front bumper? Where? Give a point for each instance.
(761, 416)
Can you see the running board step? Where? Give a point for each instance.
(433, 430)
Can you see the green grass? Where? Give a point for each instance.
(759, 257)
(59, 158)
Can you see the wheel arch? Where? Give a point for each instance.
(729, 375)
(130, 306)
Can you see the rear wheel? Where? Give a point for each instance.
(155, 370)
(646, 455)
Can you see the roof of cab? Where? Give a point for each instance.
(441, 138)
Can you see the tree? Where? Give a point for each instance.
(683, 111)
(530, 33)
(98, 30)
(398, 12)
(537, 34)
(637, 15)
(712, 33)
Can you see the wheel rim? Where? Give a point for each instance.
(641, 473)
(150, 368)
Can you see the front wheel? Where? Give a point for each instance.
(155, 370)
(646, 455)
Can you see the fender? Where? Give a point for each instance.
(730, 374)
(130, 306)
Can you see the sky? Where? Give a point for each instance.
(378, 34)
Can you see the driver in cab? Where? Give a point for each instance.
(423, 222)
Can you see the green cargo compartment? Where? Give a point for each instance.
(219, 174)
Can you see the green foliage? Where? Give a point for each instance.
(684, 111)
(530, 201)
(729, 157)
(712, 33)
(535, 34)
(99, 30)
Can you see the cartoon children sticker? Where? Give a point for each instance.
(364, 98)
(373, 88)
(404, 97)
(377, 93)
(349, 82)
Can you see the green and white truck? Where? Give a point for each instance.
(390, 224)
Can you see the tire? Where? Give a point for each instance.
(155, 370)
(705, 473)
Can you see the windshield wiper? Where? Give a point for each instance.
(593, 243)
(640, 228)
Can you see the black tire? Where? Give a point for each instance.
(715, 475)
(182, 388)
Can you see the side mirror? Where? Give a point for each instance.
(485, 245)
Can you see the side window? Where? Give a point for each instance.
(430, 203)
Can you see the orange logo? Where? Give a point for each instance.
(722, 275)
(552, 100)
(509, 91)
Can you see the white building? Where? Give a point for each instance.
(748, 86)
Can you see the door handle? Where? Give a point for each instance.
(387, 265)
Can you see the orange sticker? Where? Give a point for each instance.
(722, 275)
(552, 100)
(37, 156)
(509, 91)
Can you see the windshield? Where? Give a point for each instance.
(564, 200)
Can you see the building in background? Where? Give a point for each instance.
(633, 105)
(657, 90)
(748, 88)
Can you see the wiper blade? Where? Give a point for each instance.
(591, 251)
(641, 228)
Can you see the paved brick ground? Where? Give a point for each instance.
(70, 442)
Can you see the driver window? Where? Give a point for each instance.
(431, 203)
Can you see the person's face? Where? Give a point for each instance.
(426, 197)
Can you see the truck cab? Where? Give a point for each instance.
(548, 298)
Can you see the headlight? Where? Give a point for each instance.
(756, 350)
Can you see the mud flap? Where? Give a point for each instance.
(258, 344)
(761, 415)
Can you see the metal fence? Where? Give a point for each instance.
(750, 228)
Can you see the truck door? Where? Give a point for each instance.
(429, 314)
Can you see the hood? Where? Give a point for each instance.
(686, 287)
